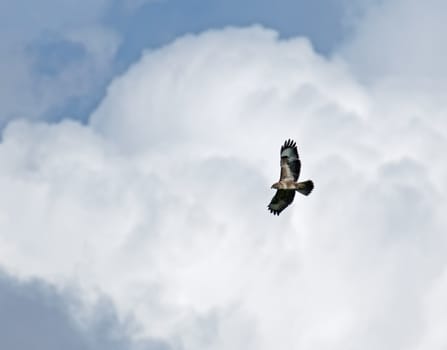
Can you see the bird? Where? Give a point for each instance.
(287, 184)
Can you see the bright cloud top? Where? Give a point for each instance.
(160, 201)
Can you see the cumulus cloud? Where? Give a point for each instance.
(159, 202)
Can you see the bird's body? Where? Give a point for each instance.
(287, 184)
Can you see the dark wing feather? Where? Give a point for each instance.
(290, 161)
(281, 200)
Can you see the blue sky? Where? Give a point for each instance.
(159, 22)
(41, 42)
(139, 142)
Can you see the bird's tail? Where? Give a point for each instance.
(305, 187)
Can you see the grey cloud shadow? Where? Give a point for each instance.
(35, 315)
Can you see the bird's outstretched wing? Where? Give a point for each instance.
(290, 161)
(280, 201)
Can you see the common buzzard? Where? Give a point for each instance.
(287, 184)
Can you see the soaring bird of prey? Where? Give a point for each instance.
(287, 184)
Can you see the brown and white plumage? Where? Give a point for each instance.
(287, 184)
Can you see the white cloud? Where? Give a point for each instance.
(401, 42)
(160, 201)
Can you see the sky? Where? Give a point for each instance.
(139, 141)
